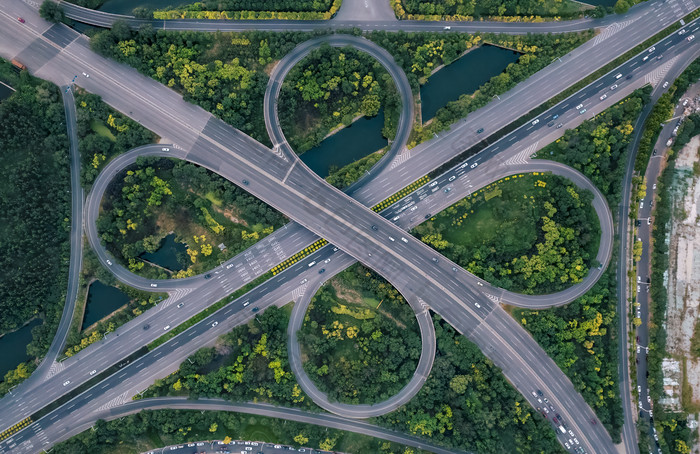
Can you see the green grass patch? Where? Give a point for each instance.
(259, 432)
(101, 129)
(210, 196)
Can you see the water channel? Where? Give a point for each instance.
(5, 91)
(127, 6)
(102, 300)
(14, 347)
(463, 76)
(168, 253)
(347, 145)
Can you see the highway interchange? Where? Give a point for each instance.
(298, 180)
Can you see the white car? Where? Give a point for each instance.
(652, 49)
(109, 262)
(167, 327)
(603, 97)
(304, 281)
(477, 305)
(639, 389)
(327, 260)
(66, 383)
(248, 302)
(93, 372)
(645, 58)
(214, 324)
(474, 165)
(180, 305)
(613, 87)
(165, 149)
(665, 85)
(691, 37)
(579, 106)
(535, 121)
(154, 285)
(229, 266)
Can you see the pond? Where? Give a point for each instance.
(464, 75)
(348, 145)
(14, 347)
(168, 254)
(5, 91)
(102, 300)
(127, 6)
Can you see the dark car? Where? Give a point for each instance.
(629, 76)
(255, 309)
(480, 130)
(374, 227)
(550, 124)
(146, 326)
(207, 276)
(321, 271)
(245, 182)
(20, 19)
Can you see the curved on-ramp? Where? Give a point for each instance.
(425, 363)
(403, 87)
(259, 409)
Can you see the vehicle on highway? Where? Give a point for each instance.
(582, 111)
(214, 324)
(550, 124)
(109, 262)
(645, 58)
(154, 285)
(480, 130)
(664, 85)
(474, 165)
(229, 266)
(447, 27)
(433, 184)
(321, 271)
(165, 149)
(654, 186)
(66, 383)
(93, 372)
(452, 178)
(555, 117)
(660, 57)
(682, 32)
(146, 326)
(167, 327)
(20, 19)
(436, 260)
(534, 122)
(404, 239)
(327, 260)
(477, 305)
(374, 227)
(579, 106)
(613, 87)
(312, 263)
(560, 125)
(180, 305)
(248, 302)
(255, 309)
(652, 49)
(246, 182)
(691, 37)
(207, 276)
(629, 76)
(603, 97)
(618, 75)
(391, 238)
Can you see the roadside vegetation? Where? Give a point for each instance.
(159, 196)
(103, 134)
(250, 9)
(529, 233)
(34, 212)
(360, 338)
(419, 54)
(93, 271)
(330, 87)
(150, 430)
(347, 175)
(504, 10)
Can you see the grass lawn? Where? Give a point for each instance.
(102, 129)
(259, 432)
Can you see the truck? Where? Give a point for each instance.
(562, 430)
(17, 64)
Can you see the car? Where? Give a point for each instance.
(447, 27)
(167, 327)
(641, 204)
(327, 260)
(374, 227)
(560, 125)
(321, 271)
(427, 216)
(180, 305)
(109, 262)
(246, 182)
(546, 401)
(653, 186)
(477, 305)
(567, 445)
(391, 238)
(312, 263)
(550, 124)
(639, 349)
(546, 410)
(576, 440)
(84, 74)
(214, 324)
(660, 57)
(682, 32)
(248, 302)
(146, 326)
(154, 285)
(404, 239)
(474, 165)
(638, 289)
(535, 121)
(653, 153)
(540, 393)
(648, 398)
(480, 130)
(454, 268)
(652, 49)
(603, 97)
(594, 422)
(436, 260)
(93, 372)
(639, 278)
(651, 414)
(656, 437)
(207, 276)
(690, 38)
(579, 106)
(582, 111)
(255, 309)
(613, 87)
(335, 249)
(629, 76)
(20, 19)
(664, 85)
(645, 58)
(639, 389)
(304, 281)
(446, 190)
(571, 432)
(229, 266)
(555, 117)
(165, 149)
(433, 184)
(452, 178)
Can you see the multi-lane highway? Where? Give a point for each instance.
(298, 178)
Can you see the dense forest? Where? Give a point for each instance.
(420, 53)
(149, 430)
(360, 338)
(347, 175)
(223, 73)
(545, 240)
(331, 86)
(34, 210)
(157, 196)
(104, 133)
